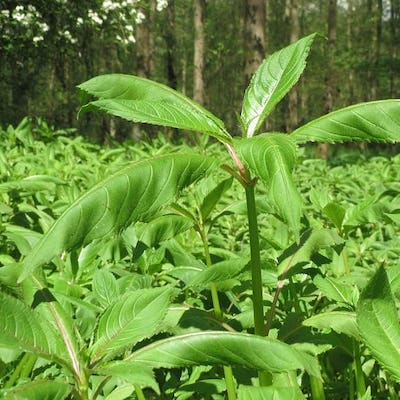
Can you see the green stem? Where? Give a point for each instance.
(359, 374)
(229, 380)
(139, 393)
(317, 388)
(264, 377)
(258, 307)
(23, 369)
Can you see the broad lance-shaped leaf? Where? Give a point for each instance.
(273, 79)
(378, 322)
(38, 390)
(134, 193)
(224, 348)
(22, 328)
(142, 100)
(340, 321)
(376, 121)
(133, 317)
(272, 158)
(269, 392)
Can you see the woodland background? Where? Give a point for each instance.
(207, 49)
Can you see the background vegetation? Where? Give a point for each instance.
(47, 48)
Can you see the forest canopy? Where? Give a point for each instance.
(48, 48)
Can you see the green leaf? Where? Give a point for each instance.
(334, 289)
(336, 213)
(377, 121)
(273, 79)
(132, 194)
(340, 321)
(133, 317)
(371, 210)
(227, 348)
(272, 158)
(311, 242)
(135, 374)
(219, 272)
(34, 183)
(38, 390)
(22, 328)
(105, 287)
(141, 100)
(378, 322)
(121, 392)
(270, 392)
(212, 198)
(163, 228)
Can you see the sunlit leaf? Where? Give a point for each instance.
(224, 348)
(105, 287)
(272, 158)
(273, 79)
(134, 374)
(310, 244)
(22, 328)
(378, 322)
(377, 121)
(132, 318)
(340, 321)
(219, 272)
(38, 390)
(334, 289)
(163, 228)
(269, 392)
(142, 100)
(134, 193)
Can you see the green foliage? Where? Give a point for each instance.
(272, 81)
(126, 276)
(101, 211)
(141, 100)
(377, 121)
(378, 322)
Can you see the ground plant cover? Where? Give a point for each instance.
(237, 268)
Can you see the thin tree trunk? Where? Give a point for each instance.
(170, 40)
(144, 42)
(394, 40)
(378, 9)
(254, 35)
(323, 148)
(199, 49)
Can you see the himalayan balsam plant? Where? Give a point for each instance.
(123, 346)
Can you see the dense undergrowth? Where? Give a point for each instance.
(349, 229)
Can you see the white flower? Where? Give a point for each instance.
(129, 28)
(161, 4)
(6, 13)
(79, 21)
(43, 26)
(131, 39)
(140, 17)
(95, 17)
(37, 39)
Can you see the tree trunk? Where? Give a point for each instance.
(170, 40)
(199, 49)
(145, 43)
(254, 35)
(378, 10)
(330, 79)
(394, 40)
(293, 119)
